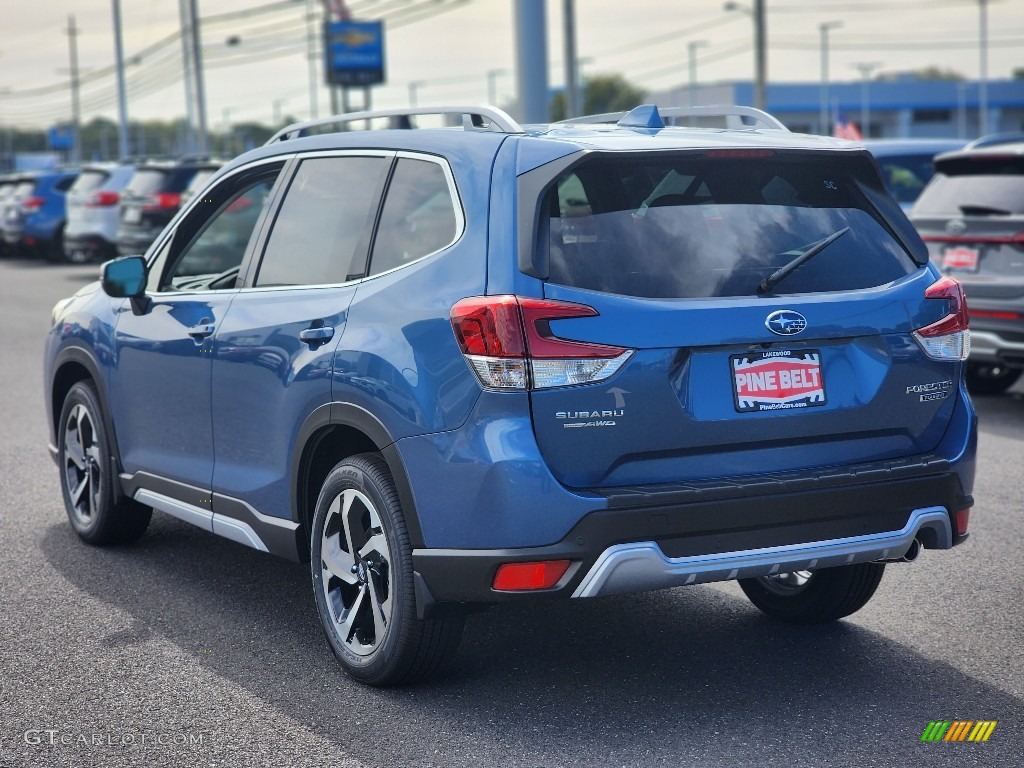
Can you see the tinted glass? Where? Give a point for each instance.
(212, 258)
(974, 185)
(89, 180)
(321, 231)
(906, 175)
(695, 227)
(418, 216)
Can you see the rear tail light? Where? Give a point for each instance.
(517, 577)
(948, 338)
(995, 314)
(32, 204)
(102, 199)
(508, 343)
(162, 201)
(1017, 239)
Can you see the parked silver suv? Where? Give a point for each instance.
(971, 215)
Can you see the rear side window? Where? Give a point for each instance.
(906, 175)
(973, 185)
(321, 233)
(692, 226)
(418, 216)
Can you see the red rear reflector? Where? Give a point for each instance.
(963, 517)
(1017, 239)
(995, 315)
(516, 577)
(30, 204)
(102, 199)
(740, 153)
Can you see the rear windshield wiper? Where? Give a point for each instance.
(813, 250)
(982, 210)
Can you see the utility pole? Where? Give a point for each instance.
(983, 78)
(197, 69)
(572, 92)
(76, 116)
(314, 110)
(186, 61)
(865, 68)
(532, 60)
(757, 14)
(122, 97)
(824, 28)
(691, 49)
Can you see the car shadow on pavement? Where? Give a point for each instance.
(610, 681)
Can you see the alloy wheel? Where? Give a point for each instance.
(83, 474)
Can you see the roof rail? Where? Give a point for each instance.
(995, 139)
(479, 118)
(734, 116)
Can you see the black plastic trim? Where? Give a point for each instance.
(351, 415)
(530, 194)
(736, 515)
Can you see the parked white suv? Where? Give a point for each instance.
(92, 212)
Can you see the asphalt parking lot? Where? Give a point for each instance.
(190, 650)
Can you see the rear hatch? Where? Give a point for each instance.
(728, 374)
(972, 218)
(84, 200)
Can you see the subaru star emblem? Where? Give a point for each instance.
(785, 322)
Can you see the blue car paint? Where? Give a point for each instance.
(480, 479)
(42, 225)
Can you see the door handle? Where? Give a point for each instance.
(317, 334)
(201, 331)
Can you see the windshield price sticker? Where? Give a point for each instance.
(777, 380)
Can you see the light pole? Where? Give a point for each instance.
(492, 85)
(76, 116)
(865, 68)
(414, 86)
(311, 55)
(122, 98)
(757, 14)
(824, 28)
(691, 50)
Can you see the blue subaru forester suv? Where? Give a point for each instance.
(483, 362)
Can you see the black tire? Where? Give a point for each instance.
(815, 597)
(87, 473)
(353, 593)
(990, 379)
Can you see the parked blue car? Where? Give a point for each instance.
(35, 226)
(449, 368)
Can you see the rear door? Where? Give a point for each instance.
(728, 377)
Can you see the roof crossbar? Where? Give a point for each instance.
(475, 118)
(734, 116)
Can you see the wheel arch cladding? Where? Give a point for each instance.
(331, 434)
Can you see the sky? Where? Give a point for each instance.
(447, 47)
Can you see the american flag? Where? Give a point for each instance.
(845, 128)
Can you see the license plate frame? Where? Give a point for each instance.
(777, 380)
(132, 215)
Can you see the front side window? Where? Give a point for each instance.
(418, 216)
(691, 226)
(209, 245)
(322, 229)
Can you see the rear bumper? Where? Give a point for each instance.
(663, 536)
(97, 246)
(994, 346)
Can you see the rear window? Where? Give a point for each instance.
(975, 185)
(146, 181)
(89, 180)
(692, 226)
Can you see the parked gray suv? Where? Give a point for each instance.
(971, 215)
